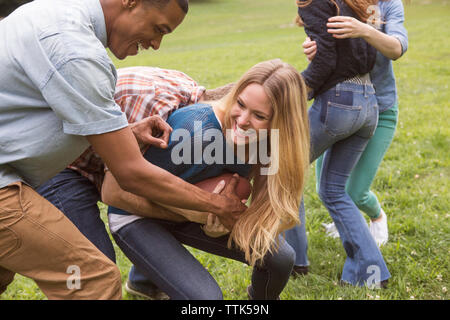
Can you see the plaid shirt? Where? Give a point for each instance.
(142, 92)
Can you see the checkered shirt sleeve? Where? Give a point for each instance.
(142, 92)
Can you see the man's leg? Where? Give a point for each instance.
(39, 242)
(77, 197)
(6, 277)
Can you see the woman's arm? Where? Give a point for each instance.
(342, 27)
(113, 195)
(134, 174)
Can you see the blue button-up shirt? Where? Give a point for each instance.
(56, 86)
(382, 74)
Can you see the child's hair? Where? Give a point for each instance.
(359, 7)
(275, 198)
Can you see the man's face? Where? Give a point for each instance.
(141, 26)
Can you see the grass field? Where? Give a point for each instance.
(220, 39)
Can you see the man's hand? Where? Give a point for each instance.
(309, 48)
(232, 207)
(152, 131)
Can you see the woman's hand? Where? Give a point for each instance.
(347, 27)
(342, 27)
(213, 228)
(309, 48)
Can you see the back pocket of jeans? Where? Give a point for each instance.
(340, 119)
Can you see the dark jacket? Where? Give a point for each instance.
(336, 59)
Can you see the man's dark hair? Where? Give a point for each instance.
(8, 6)
(183, 4)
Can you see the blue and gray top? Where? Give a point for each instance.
(382, 74)
(197, 150)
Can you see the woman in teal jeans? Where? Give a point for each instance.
(390, 38)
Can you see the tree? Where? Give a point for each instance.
(8, 6)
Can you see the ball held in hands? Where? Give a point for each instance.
(242, 190)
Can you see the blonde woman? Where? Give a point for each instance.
(267, 105)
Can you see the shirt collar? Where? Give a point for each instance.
(98, 21)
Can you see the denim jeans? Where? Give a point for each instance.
(77, 197)
(342, 120)
(297, 238)
(360, 181)
(155, 247)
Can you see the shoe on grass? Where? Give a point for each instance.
(147, 292)
(299, 271)
(379, 229)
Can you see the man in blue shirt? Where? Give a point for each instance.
(57, 97)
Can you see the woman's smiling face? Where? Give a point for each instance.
(250, 113)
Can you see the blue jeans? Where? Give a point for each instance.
(155, 247)
(342, 120)
(77, 197)
(360, 181)
(296, 237)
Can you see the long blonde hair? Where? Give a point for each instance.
(275, 198)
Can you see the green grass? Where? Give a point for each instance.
(220, 39)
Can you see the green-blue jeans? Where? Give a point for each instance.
(362, 176)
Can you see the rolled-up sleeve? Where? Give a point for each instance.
(81, 93)
(395, 18)
(197, 92)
